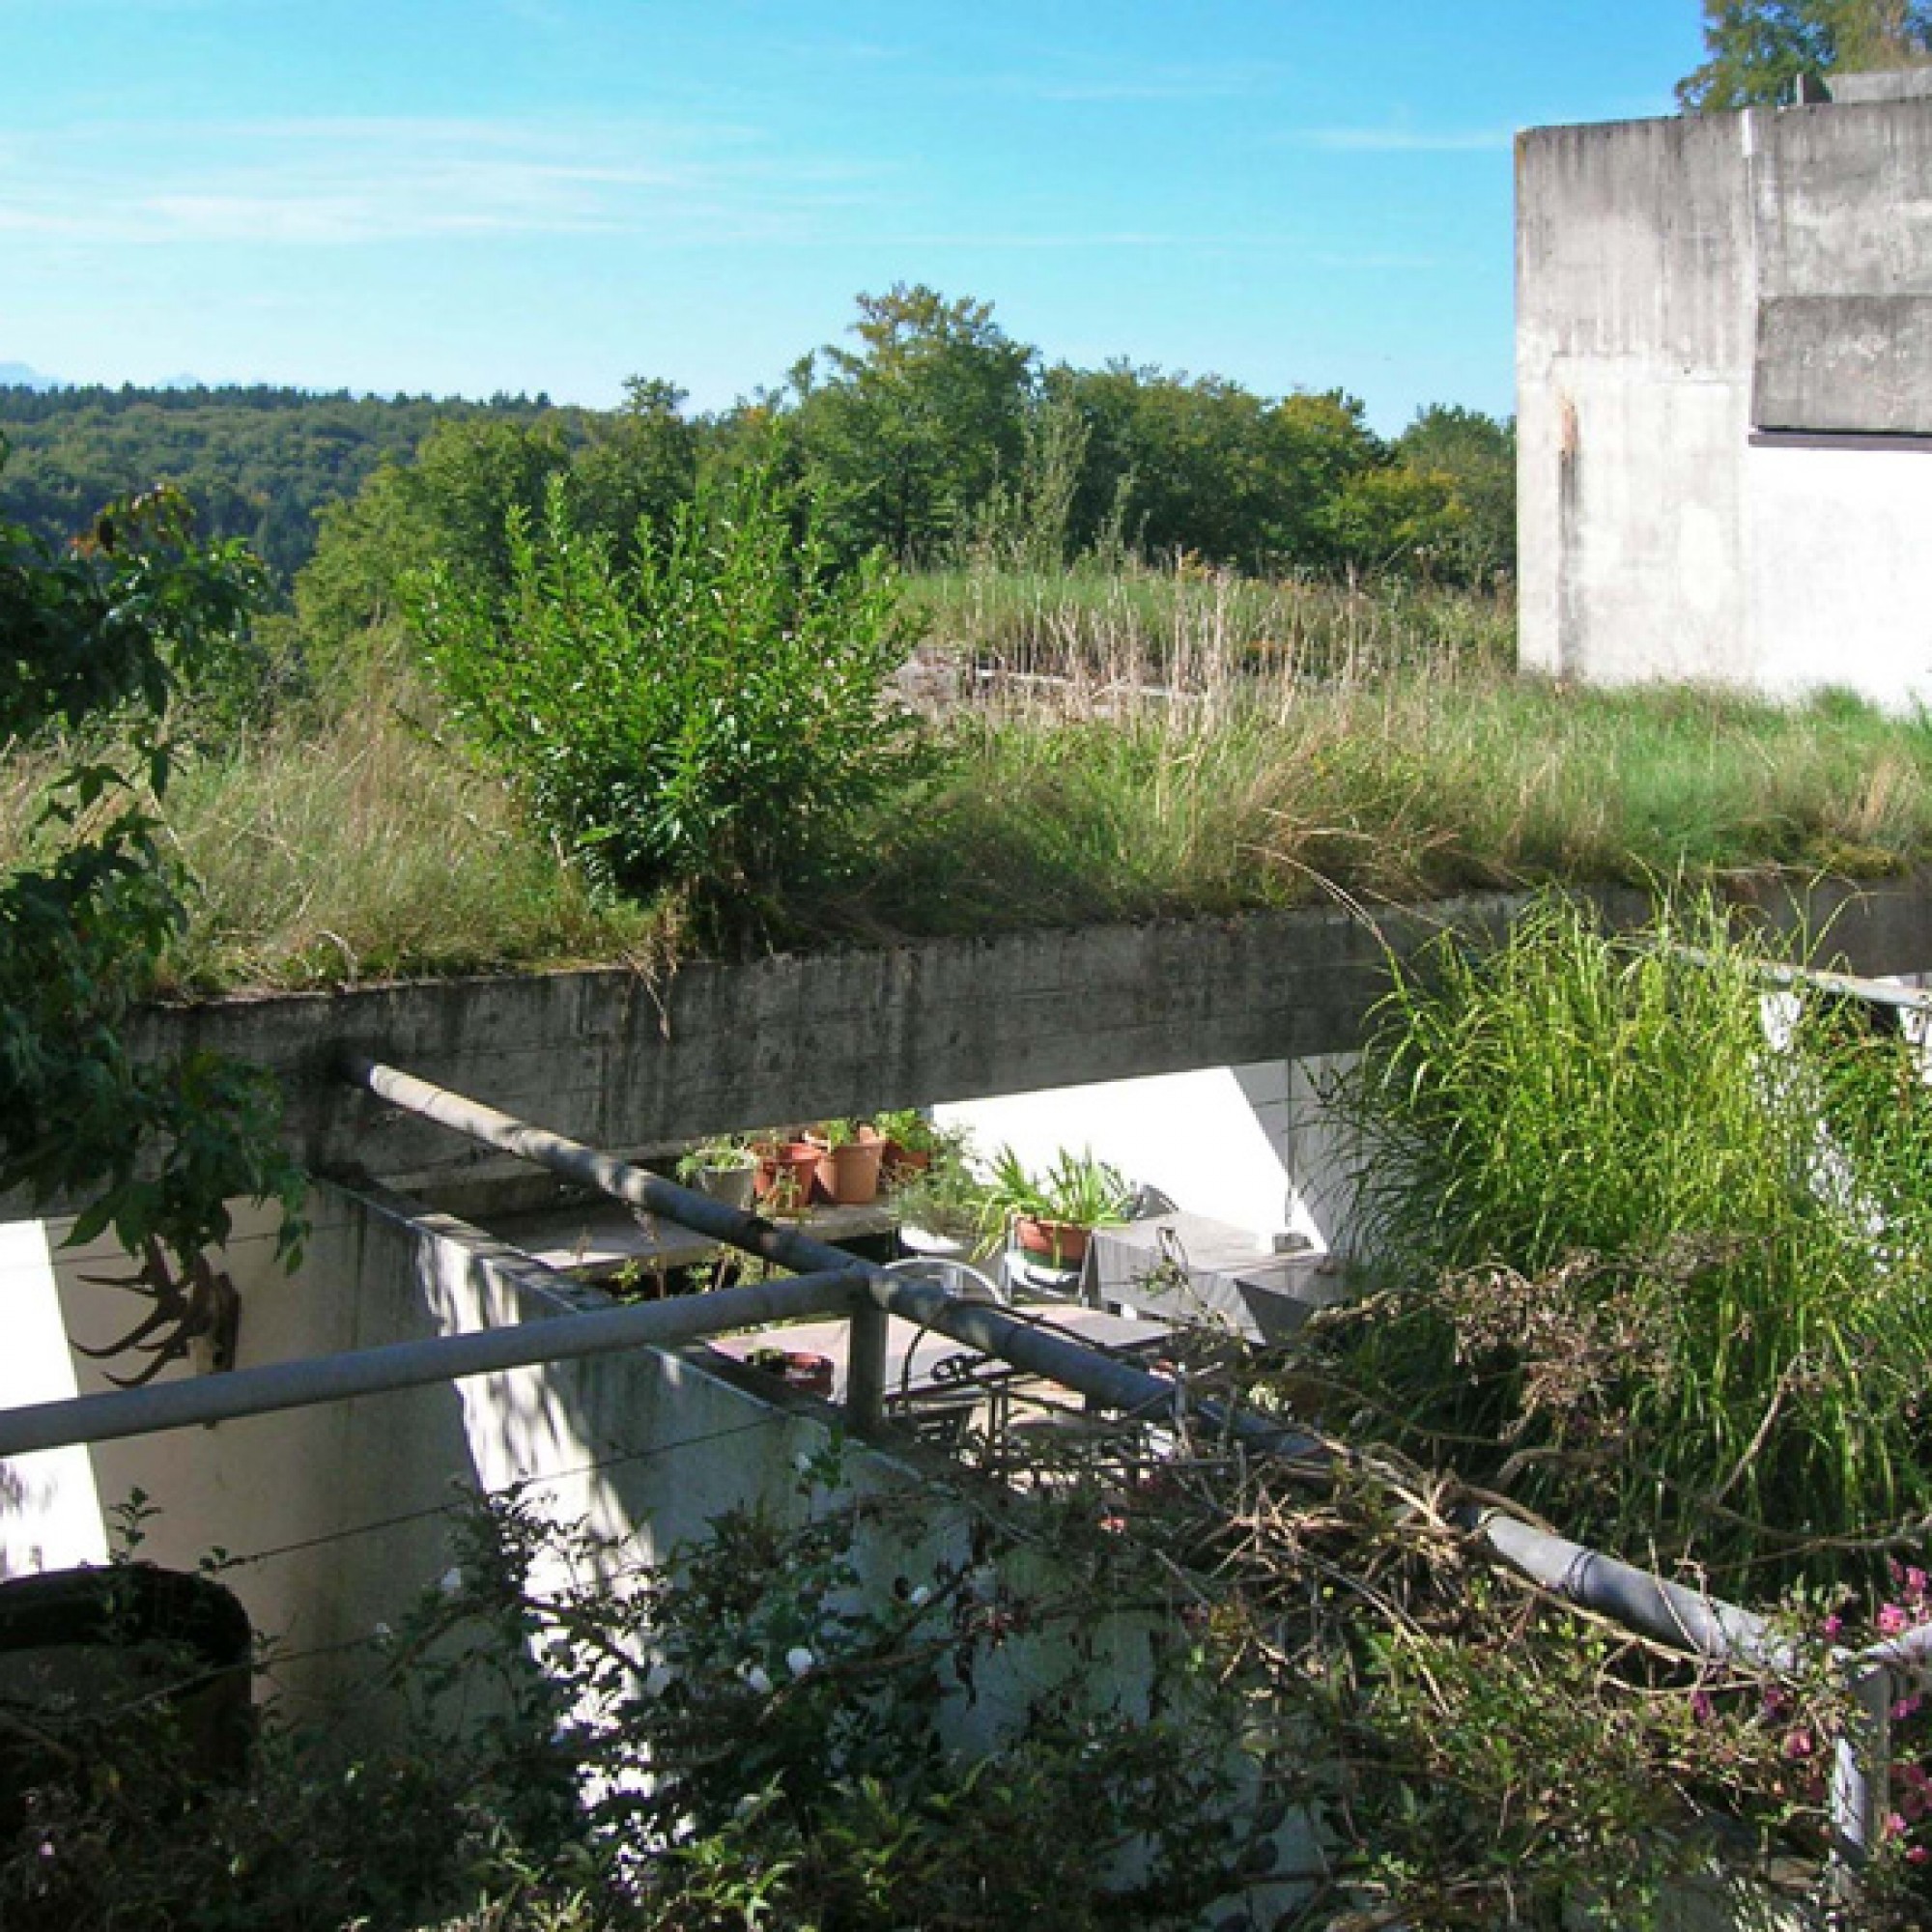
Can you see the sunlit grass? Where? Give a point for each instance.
(367, 852)
(1134, 754)
(1279, 792)
(1681, 1281)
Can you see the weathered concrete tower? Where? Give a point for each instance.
(1724, 388)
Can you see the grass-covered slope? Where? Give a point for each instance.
(1098, 749)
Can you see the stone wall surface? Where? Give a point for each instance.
(1634, 352)
(622, 1060)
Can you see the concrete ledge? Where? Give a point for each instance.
(622, 1060)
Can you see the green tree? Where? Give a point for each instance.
(907, 435)
(1206, 467)
(102, 637)
(637, 467)
(1475, 455)
(1393, 518)
(625, 473)
(1758, 49)
(254, 462)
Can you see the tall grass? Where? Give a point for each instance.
(1130, 751)
(365, 850)
(1676, 1262)
(1099, 799)
(1181, 624)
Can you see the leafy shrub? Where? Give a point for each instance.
(740, 1736)
(1668, 1246)
(95, 646)
(708, 719)
(1076, 1188)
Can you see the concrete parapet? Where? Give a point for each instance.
(623, 1060)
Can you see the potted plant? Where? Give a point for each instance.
(940, 1209)
(849, 1157)
(786, 1172)
(1051, 1216)
(725, 1169)
(913, 1141)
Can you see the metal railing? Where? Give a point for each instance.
(828, 1280)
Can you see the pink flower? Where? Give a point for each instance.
(1907, 1707)
(1915, 1855)
(1833, 1627)
(1914, 1583)
(1892, 1620)
(1796, 1743)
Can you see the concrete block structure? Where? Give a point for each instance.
(1725, 384)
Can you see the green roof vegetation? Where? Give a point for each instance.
(1094, 747)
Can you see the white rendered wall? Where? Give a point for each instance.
(49, 1510)
(1679, 281)
(348, 1506)
(1841, 579)
(341, 1511)
(1250, 1145)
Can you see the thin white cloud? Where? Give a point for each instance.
(1103, 92)
(1401, 140)
(335, 182)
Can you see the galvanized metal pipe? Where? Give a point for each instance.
(400, 1364)
(1057, 1358)
(1638, 1599)
(1812, 978)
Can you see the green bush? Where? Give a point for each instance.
(707, 721)
(1668, 1250)
(748, 1734)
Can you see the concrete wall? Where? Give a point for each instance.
(342, 1514)
(341, 1511)
(1724, 379)
(624, 1060)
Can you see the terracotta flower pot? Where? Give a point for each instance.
(901, 1163)
(849, 1174)
(786, 1173)
(1061, 1243)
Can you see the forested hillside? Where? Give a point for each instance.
(257, 462)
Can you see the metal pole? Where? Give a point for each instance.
(865, 1366)
(1861, 1770)
(1635, 1598)
(1846, 985)
(281, 1385)
(1057, 1358)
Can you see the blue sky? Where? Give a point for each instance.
(469, 195)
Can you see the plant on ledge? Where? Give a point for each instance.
(1052, 1214)
(705, 723)
(113, 628)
